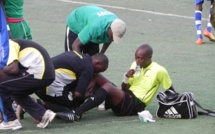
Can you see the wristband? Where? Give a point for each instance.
(125, 79)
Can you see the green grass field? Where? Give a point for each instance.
(169, 27)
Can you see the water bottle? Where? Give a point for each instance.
(137, 71)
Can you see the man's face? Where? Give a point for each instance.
(100, 68)
(142, 58)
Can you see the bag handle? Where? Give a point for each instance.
(206, 111)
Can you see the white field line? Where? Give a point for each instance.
(131, 9)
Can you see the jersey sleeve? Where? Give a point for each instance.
(164, 78)
(84, 35)
(13, 52)
(89, 33)
(83, 82)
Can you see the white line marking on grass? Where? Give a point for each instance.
(131, 9)
(103, 123)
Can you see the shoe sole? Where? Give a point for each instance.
(208, 36)
(199, 43)
(12, 128)
(17, 128)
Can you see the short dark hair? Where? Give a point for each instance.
(147, 47)
(102, 58)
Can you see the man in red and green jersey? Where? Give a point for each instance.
(19, 28)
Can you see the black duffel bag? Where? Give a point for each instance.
(175, 105)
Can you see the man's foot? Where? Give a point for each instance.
(11, 125)
(209, 35)
(199, 41)
(69, 116)
(46, 119)
(20, 112)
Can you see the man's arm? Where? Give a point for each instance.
(105, 47)
(125, 86)
(83, 81)
(172, 88)
(127, 75)
(12, 68)
(98, 80)
(76, 46)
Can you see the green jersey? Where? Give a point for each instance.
(14, 8)
(91, 23)
(145, 85)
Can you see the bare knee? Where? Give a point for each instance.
(116, 94)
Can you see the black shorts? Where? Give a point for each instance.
(89, 48)
(130, 105)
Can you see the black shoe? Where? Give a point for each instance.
(69, 116)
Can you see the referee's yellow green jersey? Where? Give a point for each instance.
(145, 86)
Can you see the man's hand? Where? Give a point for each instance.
(130, 73)
(12, 68)
(127, 75)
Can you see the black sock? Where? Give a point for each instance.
(96, 99)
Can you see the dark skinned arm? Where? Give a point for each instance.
(124, 86)
(12, 68)
(172, 88)
(127, 75)
(105, 47)
(76, 46)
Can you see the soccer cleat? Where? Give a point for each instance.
(199, 41)
(209, 35)
(46, 119)
(11, 125)
(69, 116)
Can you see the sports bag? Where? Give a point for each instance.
(175, 105)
